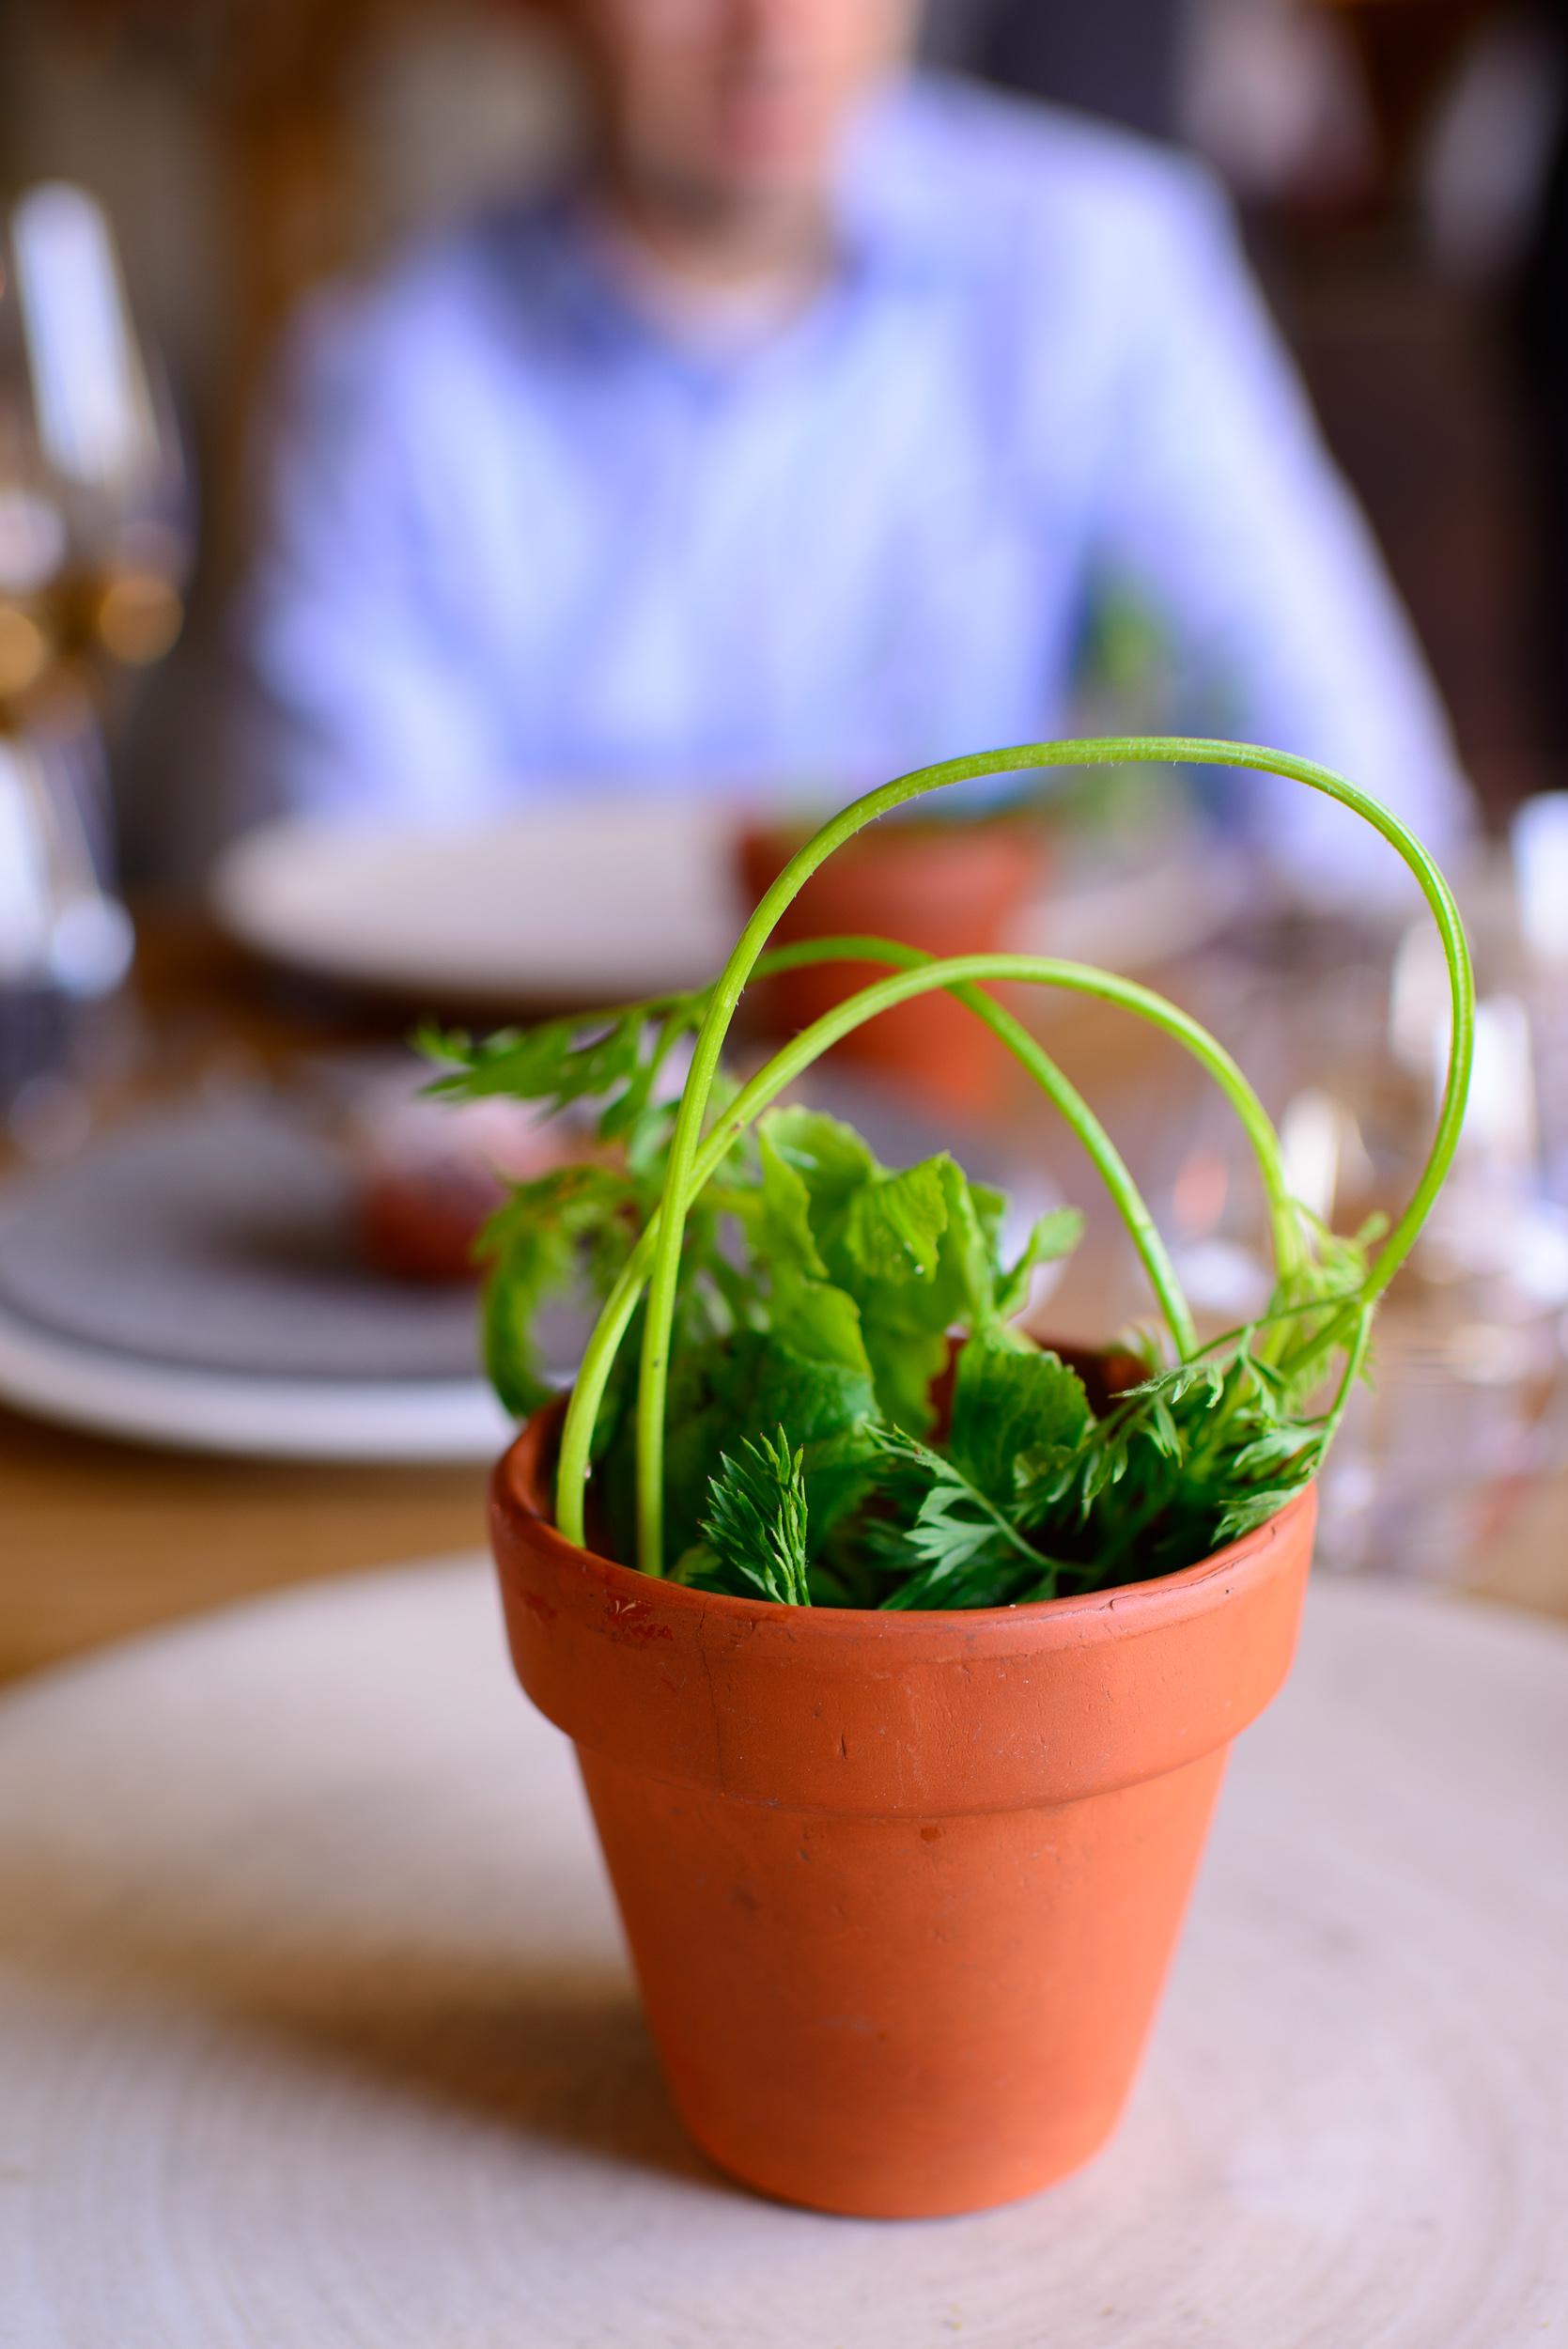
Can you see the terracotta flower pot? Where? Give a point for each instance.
(901, 1889)
(950, 890)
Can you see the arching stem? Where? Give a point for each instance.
(920, 974)
(1183, 751)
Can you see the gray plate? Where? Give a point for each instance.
(191, 1279)
(221, 1238)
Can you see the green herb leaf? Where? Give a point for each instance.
(952, 1531)
(756, 1526)
(824, 1326)
(532, 1247)
(723, 1391)
(817, 1320)
(829, 1156)
(1245, 1516)
(783, 1229)
(909, 1250)
(832, 1324)
(1010, 1400)
(894, 1225)
(1054, 1236)
(616, 1060)
(940, 1276)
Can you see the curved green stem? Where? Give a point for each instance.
(1188, 751)
(1058, 1089)
(919, 975)
(1081, 978)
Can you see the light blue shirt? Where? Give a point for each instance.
(520, 541)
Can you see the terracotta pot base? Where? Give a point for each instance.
(778, 1948)
(901, 1889)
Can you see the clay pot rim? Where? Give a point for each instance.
(516, 1486)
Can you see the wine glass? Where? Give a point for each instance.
(96, 540)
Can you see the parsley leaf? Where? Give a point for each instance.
(533, 1247)
(955, 1545)
(1009, 1400)
(616, 1060)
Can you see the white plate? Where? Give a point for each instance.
(415, 1420)
(607, 899)
(316, 2027)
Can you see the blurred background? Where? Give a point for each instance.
(1399, 169)
(1393, 160)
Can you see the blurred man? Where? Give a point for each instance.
(790, 445)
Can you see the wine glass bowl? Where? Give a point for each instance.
(96, 533)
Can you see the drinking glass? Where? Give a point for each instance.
(96, 538)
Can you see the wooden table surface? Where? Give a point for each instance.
(99, 1539)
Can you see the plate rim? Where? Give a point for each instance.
(424, 1421)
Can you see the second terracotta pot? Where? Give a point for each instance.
(901, 1889)
(950, 890)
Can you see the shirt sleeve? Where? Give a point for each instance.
(1227, 509)
(360, 693)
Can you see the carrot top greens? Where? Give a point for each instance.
(771, 1430)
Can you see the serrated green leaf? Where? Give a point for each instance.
(721, 1393)
(1043, 1478)
(1006, 1403)
(905, 1314)
(967, 1255)
(530, 1246)
(783, 1228)
(894, 1225)
(952, 1524)
(560, 1061)
(830, 1156)
(1275, 1446)
(1162, 1430)
(1176, 1385)
(1245, 1516)
(614, 1060)
(804, 1309)
(990, 1207)
(824, 1325)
